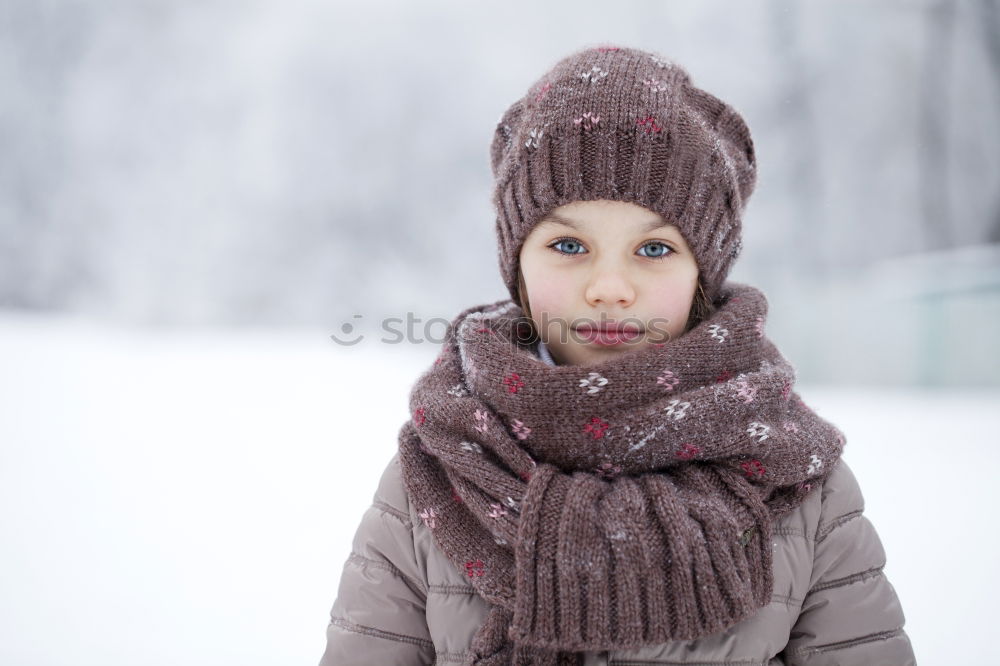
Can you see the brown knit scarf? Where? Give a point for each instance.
(615, 505)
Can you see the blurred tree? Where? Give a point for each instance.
(935, 121)
(989, 22)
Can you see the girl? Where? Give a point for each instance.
(612, 466)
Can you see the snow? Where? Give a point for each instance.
(190, 496)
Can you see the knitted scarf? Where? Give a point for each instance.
(614, 505)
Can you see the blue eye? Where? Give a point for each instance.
(565, 240)
(663, 253)
(666, 250)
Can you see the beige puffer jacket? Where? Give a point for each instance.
(402, 603)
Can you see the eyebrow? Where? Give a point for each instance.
(559, 219)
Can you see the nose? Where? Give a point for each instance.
(610, 286)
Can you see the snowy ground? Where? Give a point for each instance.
(189, 498)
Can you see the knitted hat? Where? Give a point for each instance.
(626, 125)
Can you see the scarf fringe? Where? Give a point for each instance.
(490, 647)
(680, 564)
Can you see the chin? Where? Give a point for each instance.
(594, 353)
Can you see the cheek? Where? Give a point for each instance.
(673, 304)
(673, 300)
(547, 295)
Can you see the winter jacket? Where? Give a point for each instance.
(402, 603)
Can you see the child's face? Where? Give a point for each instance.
(598, 262)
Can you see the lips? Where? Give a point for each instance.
(612, 327)
(608, 334)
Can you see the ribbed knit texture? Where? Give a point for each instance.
(615, 505)
(543, 353)
(625, 125)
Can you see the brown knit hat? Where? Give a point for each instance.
(627, 125)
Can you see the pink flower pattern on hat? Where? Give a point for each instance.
(587, 120)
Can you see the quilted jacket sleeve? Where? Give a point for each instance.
(379, 613)
(851, 614)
